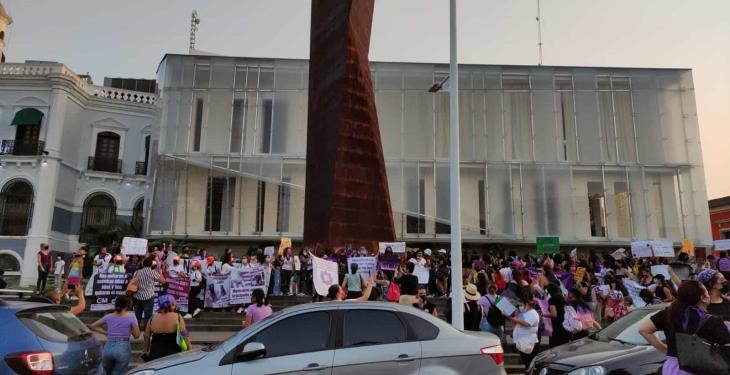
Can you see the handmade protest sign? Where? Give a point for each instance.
(634, 289)
(269, 251)
(324, 274)
(641, 249)
(134, 246)
(106, 287)
(663, 249)
(506, 307)
(421, 272)
(662, 269)
(580, 272)
(178, 287)
(722, 245)
(366, 266)
(243, 283)
(397, 247)
(388, 263)
(217, 291)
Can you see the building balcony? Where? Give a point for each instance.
(140, 168)
(11, 147)
(105, 165)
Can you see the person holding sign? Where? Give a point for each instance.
(526, 321)
(353, 283)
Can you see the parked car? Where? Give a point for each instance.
(42, 338)
(617, 349)
(343, 337)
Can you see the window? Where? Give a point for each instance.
(597, 209)
(267, 107)
(99, 211)
(303, 333)
(725, 235)
(138, 216)
(282, 211)
(617, 120)
(55, 325)
(198, 126)
(482, 208)
(16, 208)
(419, 329)
(219, 202)
(417, 223)
(517, 116)
(239, 110)
(565, 107)
(372, 327)
(260, 206)
(106, 155)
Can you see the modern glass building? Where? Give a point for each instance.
(596, 156)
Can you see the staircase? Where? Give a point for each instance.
(215, 327)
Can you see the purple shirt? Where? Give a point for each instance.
(257, 313)
(119, 326)
(723, 264)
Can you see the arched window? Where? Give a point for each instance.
(16, 208)
(138, 216)
(106, 156)
(99, 211)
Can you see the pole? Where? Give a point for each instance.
(457, 294)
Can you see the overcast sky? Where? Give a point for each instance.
(128, 38)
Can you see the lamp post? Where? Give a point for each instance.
(457, 294)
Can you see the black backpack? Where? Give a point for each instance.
(494, 315)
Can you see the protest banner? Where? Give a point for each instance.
(548, 245)
(269, 251)
(662, 269)
(580, 272)
(243, 283)
(722, 245)
(178, 287)
(366, 266)
(648, 249)
(634, 289)
(663, 249)
(388, 263)
(688, 247)
(397, 247)
(325, 274)
(641, 249)
(422, 273)
(285, 242)
(134, 246)
(217, 291)
(106, 287)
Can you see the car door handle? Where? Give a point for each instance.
(314, 367)
(404, 358)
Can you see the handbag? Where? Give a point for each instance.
(699, 356)
(180, 338)
(133, 286)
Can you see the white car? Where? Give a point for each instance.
(343, 338)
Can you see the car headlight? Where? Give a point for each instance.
(144, 372)
(592, 370)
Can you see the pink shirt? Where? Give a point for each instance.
(257, 313)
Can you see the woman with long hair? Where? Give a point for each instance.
(663, 289)
(684, 316)
(160, 334)
(584, 314)
(287, 267)
(120, 325)
(258, 310)
(556, 313)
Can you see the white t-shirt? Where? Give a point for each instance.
(170, 257)
(286, 263)
(101, 263)
(195, 277)
(297, 263)
(506, 273)
(226, 269)
(176, 271)
(58, 270)
(529, 333)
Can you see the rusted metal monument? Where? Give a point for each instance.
(346, 194)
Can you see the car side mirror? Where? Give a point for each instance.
(251, 351)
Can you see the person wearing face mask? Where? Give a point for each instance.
(526, 321)
(684, 315)
(662, 290)
(196, 285)
(715, 283)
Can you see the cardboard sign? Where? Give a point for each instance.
(325, 274)
(580, 272)
(134, 246)
(422, 273)
(397, 247)
(285, 242)
(660, 270)
(722, 245)
(366, 266)
(548, 245)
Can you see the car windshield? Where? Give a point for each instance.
(626, 329)
(55, 325)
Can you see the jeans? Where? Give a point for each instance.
(40, 285)
(116, 356)
(145, 307)
(57, 281)
(277, 281)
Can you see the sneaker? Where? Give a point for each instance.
(187, 316)
(196, 312)
(240, 310)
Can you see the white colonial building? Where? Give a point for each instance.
(72, 157)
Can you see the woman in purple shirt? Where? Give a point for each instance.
(119, 326)
(258, 310)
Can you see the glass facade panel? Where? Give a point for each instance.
(544, 119)
(418, 125)
(390, 118)
(289, 132)
(589, 130)
(499, 201)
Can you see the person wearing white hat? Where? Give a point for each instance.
(441, 251)
(472, 310)
(427, 252)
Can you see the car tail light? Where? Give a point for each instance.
(31, 363)
(496, 352)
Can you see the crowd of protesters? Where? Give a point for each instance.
(556, 298)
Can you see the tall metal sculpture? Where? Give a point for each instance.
(346, 197)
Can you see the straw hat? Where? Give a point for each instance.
(471, 292)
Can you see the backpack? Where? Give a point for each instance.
(499, 281)
(393, 294)
(494, 315)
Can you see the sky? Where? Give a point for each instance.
(129, 38)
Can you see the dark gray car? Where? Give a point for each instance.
(618, 349)
(343, 338)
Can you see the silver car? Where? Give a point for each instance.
(343, 338)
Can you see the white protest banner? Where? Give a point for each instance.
(634, 289)
(506, 307)
(663, 249)
(722, 245)
(325, 274)
(421, 272)
(269, 251)
(397, 247)
(660, 270)
(244, 281)
(366, 266)
(134, 246)
(217, 291)
(648, 249)
(641, 249)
